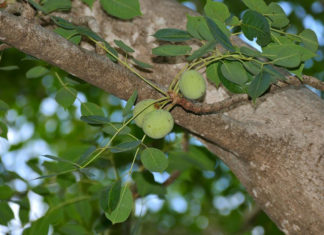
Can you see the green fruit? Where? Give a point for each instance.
(145, 105)
(158, 124)
(192, 85)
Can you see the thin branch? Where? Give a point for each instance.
(202, 108)
(172, 178)
(313, 82)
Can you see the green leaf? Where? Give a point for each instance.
(103, 199)
(299, 71)
(24, 210)
(253, 67)
(68, 229)
(145, 184)
(61, 160)
(87, 155)
(219, 35)
(113, 127)
(91, 109)
(3, 106)
(63, 23)
(90, 34)
(89, 2)
(95, 120)
(72, 35)
(204, 30)
(231, 86)
(281, 39)
(36, 72)
(123, 46)
(193, 24)
(212, 73)
(256, 25)
(309, 39)
(5, 192)
(3, 130)
(123, 9)
(172, 35)
(130, 102)
(171, 50)
(275, 74)
(256, 5)
(216, 10)
(6, 213)
(126, 146)
(54, 5)
(178, 161)
(234, 72)
(249, 52)
(114, 196)
(142, 64)
(201, 158)
(123, 208)
(196, 157)
(277, 16)
(36, 5)
(41, 190)
(233, 21)
(9, 68)
(66, 96)
(39, 227)
(154, 160)
(259, 85)
(209, 46)
(283, 55)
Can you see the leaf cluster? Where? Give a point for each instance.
(241, 69)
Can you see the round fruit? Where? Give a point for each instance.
(158, 124)
(147, 106)
(192, 84)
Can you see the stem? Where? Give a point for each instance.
(176, 78)
(115, 168)
(117, 132)
(135, 155)
(69, 202)
(68, 89)
(129, 67)
(285, 33)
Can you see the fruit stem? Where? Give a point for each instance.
(176, 78)
(116, 133)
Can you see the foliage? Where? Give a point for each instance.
(86, 181)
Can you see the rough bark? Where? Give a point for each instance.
(275, 148)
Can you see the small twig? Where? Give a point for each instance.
(172, 178)
(185, 142)
(307, 80)
(313, 82)
(207, 108)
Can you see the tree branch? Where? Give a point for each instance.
(46, 45)
(273, 148)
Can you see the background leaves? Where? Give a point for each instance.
(123, 9)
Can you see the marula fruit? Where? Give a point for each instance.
(158, 124)
(147, 106)
(192, 84)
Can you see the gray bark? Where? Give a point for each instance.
(275, 148)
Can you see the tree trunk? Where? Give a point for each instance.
(275, 147)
